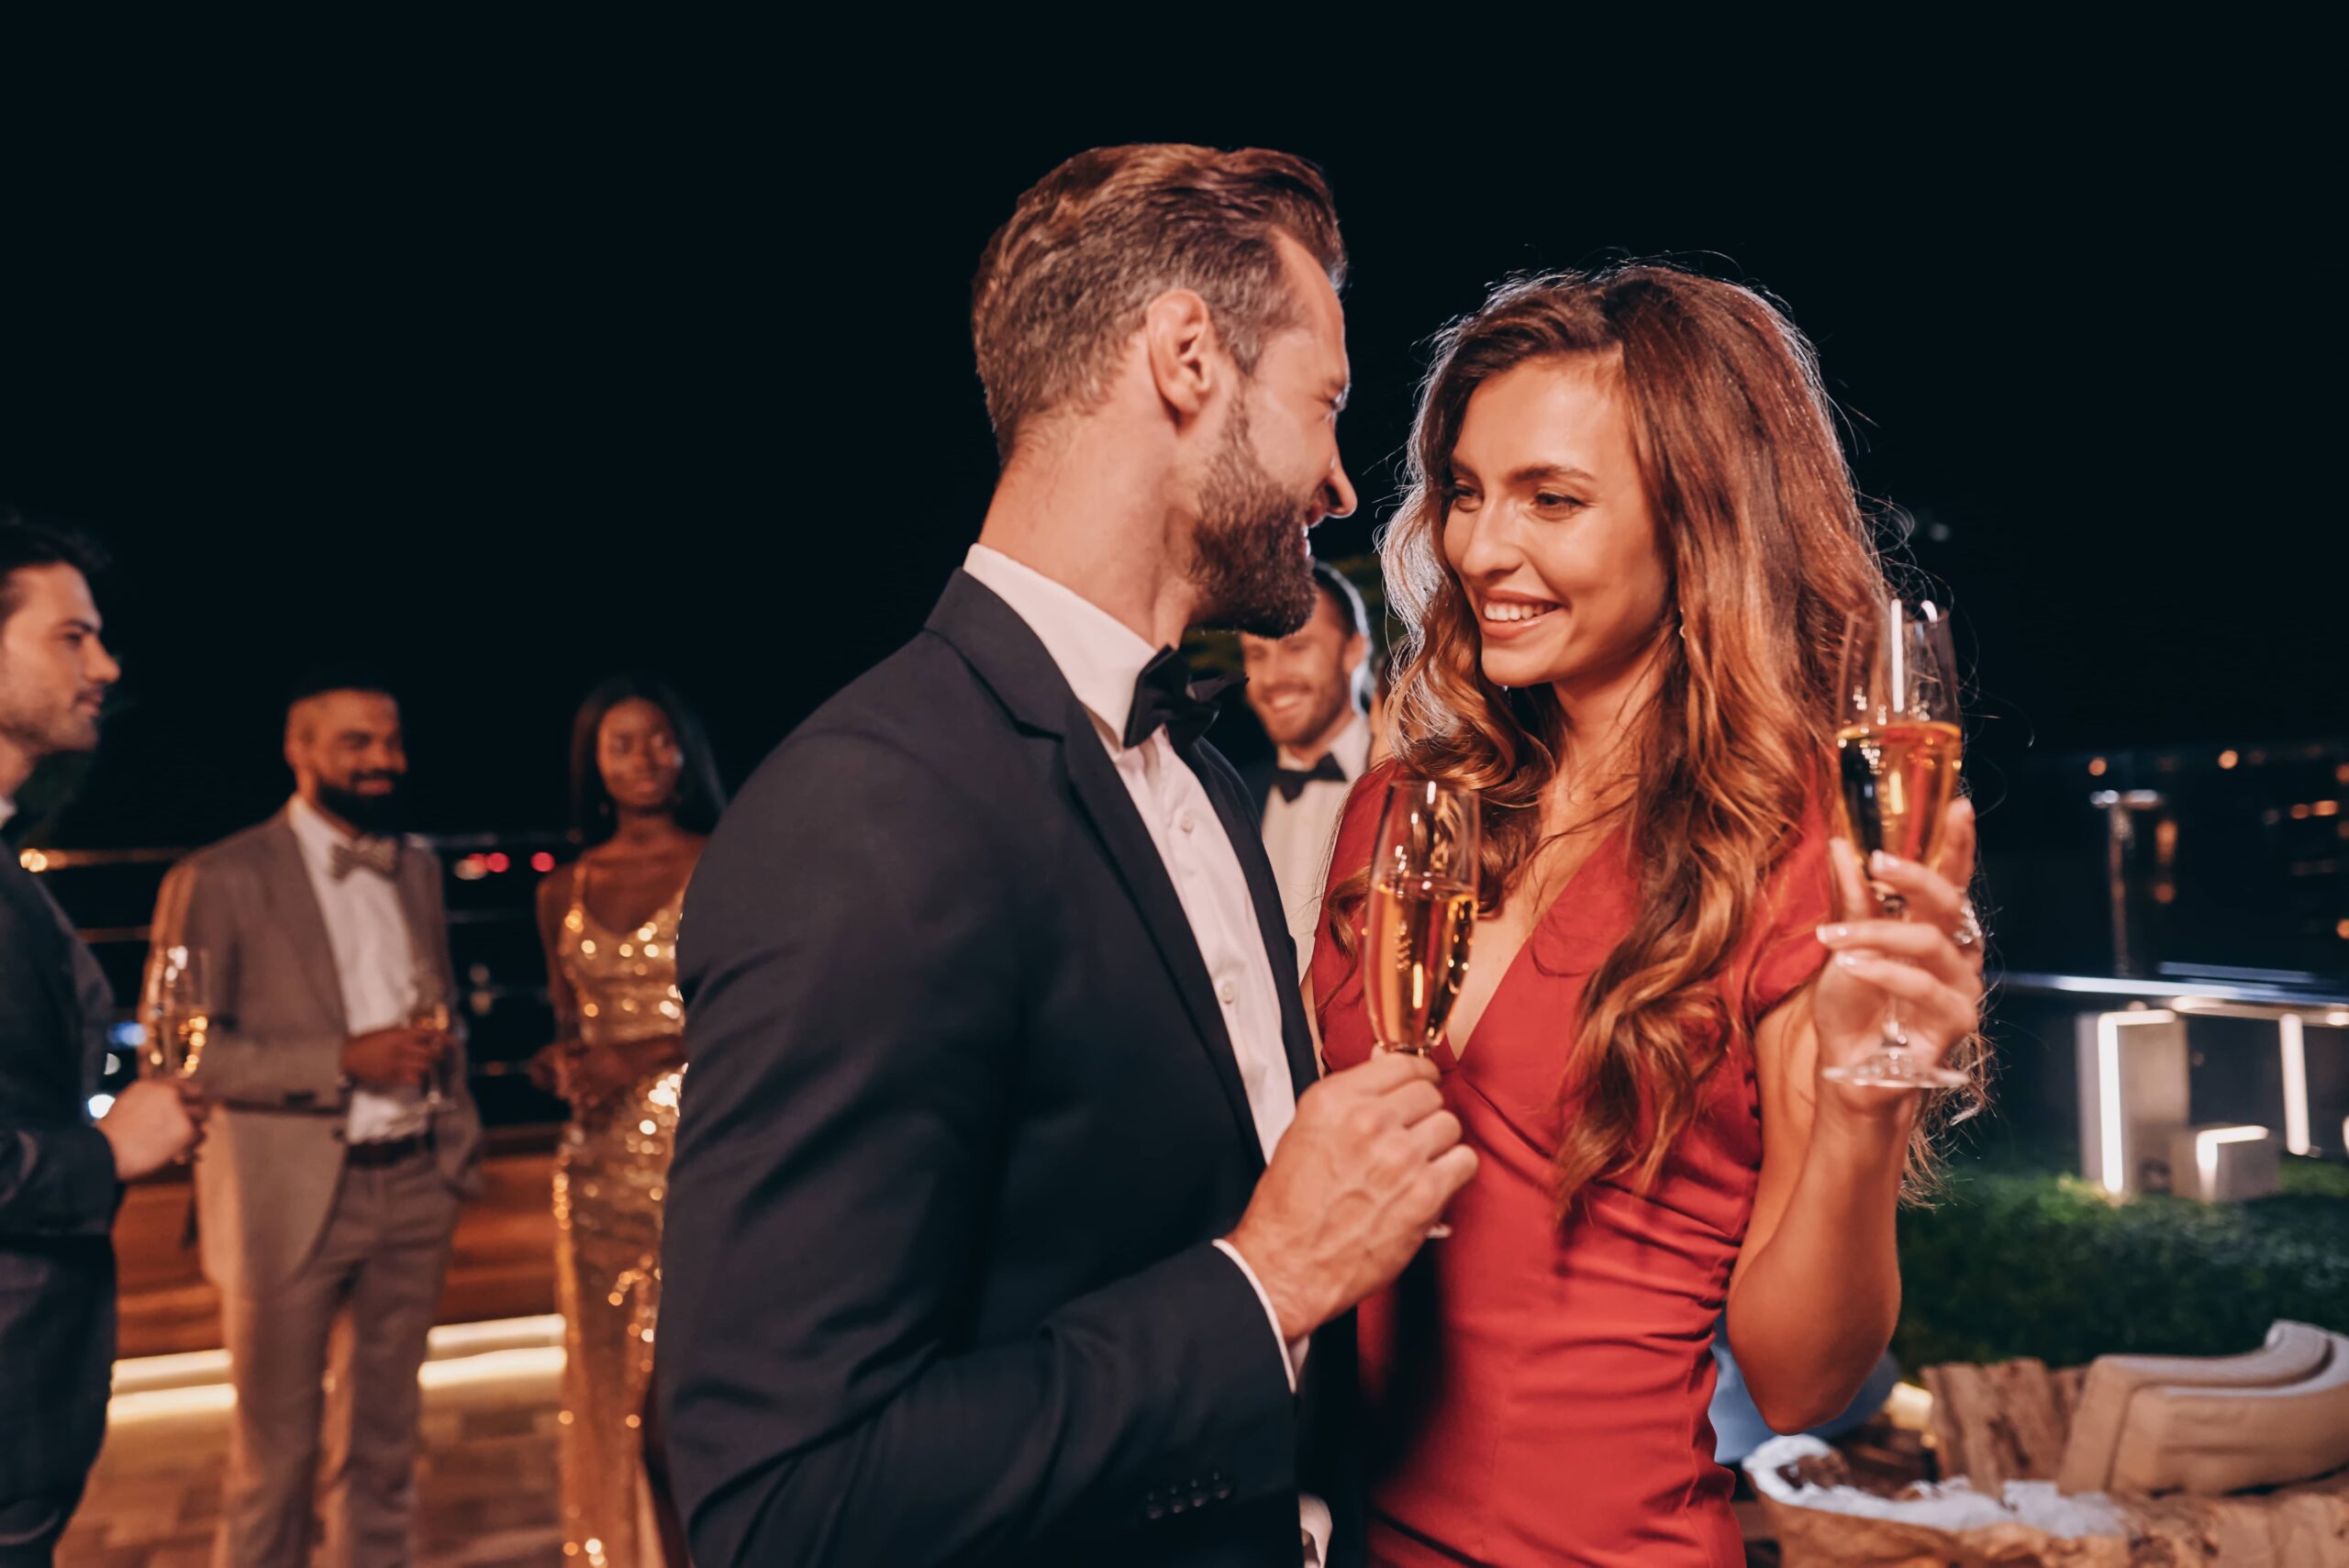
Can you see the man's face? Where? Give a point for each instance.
(349, 756)
(54, 667)
(1301, 685)
(1275, 471)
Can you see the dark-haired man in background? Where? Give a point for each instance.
(344, 1135)
(1307, 689)
(60, 1177)
(1006, 1205)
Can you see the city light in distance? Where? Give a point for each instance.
(2228, 759)
(2096, 767)
(542, 862)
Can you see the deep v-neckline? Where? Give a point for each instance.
(621, 933)
(1452, 1058)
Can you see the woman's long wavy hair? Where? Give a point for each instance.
(1768, 552)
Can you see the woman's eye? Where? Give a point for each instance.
(1549, 500)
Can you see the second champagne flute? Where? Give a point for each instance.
(1423, 879)
(1897, 748)
(428, 1009)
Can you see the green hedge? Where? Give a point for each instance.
(2032, 1263)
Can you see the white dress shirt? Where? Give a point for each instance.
(1300, 833)
(1101, 658)
(375, 961)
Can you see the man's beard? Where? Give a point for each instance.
(1329, 702)
(376, 815)
(1252, 571)
(39, 730)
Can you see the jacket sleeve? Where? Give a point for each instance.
(57, 1175)
(240, 1066)
(854, 946)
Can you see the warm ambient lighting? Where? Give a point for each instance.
(542, 862)
(2206, 1150)
(459, 1355)
(2296, 1084)
(2228, 759)
(2096, 767)
(33, 861)
(2113, 1164)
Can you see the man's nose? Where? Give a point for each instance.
(1343, 499)
(104, 668)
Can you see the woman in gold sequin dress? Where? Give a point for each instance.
(645, 794)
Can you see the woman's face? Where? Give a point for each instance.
(636, 750)
(1548, 528)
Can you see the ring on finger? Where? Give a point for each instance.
(1969, 929)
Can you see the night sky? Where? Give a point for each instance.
(522, 375)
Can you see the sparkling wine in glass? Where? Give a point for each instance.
(429, 1009)
(1422, 915)
(1897, 750)
(183, 1012)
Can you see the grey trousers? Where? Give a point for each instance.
(325, 1367)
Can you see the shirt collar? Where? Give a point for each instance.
(316, 836)
(1099, 656)
(7, 810)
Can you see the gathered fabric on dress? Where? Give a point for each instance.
(1536, 1392)
(611, 1175)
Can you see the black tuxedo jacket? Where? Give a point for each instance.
(58, 1195)
(962, 1122)
(1256, 778)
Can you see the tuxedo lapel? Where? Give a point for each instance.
(1264, 894)
(1110, 809)
(298, 921)
(998, 645)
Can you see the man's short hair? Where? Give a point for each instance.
(349, 676)
(1344, 596)
(1065, 282)
(25, 543)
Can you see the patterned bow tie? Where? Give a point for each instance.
(381, 856)
(1291, 782)
(1164, 695)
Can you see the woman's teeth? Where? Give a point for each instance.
(1517, 612)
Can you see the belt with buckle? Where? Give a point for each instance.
(387, 1151)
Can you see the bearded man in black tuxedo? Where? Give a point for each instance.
(1008, 1223)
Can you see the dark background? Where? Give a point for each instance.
(515, 369)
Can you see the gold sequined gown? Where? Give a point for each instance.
(610, 1176)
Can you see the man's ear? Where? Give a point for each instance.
(1185, 357)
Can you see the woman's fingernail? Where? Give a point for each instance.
(1851, 960)
(1880, 862)
(1831, 934)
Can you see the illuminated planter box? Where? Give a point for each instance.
(2225, 1165)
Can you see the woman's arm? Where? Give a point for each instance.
(1816, 1288)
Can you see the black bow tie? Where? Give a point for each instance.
(1291, 782)
(1164, 695)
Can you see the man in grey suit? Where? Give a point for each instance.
(343, 1138)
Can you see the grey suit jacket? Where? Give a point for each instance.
(273, 1157)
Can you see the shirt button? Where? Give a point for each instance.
(1186, 823)
(1229, 992)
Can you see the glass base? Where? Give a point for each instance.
(1894, 1068)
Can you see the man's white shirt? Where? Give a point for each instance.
(1300, 833)
(375, 961)
(1100, 658)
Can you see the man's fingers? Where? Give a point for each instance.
(1432, 1135)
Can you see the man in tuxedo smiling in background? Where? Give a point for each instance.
(1306, 689)
(1008, 1223)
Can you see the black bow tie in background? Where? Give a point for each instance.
(1291, 782)
(1164, 695)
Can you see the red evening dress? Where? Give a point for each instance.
(1535, 1395)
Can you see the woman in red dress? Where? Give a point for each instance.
(1624, 564)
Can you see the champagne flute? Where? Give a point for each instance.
(1424, 878)
(184, 1009)
(428, 1009)
(1897, 750)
